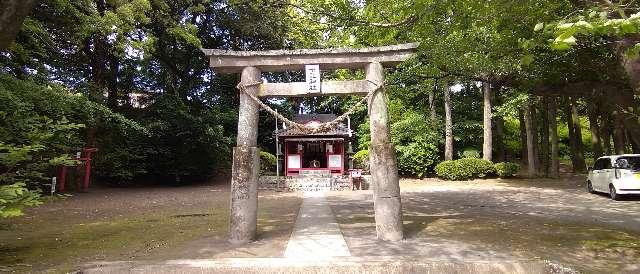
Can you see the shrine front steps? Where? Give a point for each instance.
(309, 183)
(385, 264)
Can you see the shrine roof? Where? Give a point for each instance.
(322, 118)
(341, 130)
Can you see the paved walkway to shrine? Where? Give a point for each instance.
(316, 233)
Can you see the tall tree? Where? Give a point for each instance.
(619, 139)
(580, 165)
(594, 128)
(554, 171)
(577, 159)
(448, 128)
(605, 131)
(487, 143)
(546, 123)
(523, 136)
(499, 140)
(531, 141)
(432, 104)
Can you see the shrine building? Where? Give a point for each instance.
(317, 153)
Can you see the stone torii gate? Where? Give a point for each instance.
(383, 163)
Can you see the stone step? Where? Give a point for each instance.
(390, 264)
(315, 173)
(308, 183)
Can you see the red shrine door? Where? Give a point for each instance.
(314, 154)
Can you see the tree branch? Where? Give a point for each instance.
(406, 21)
(12, 15)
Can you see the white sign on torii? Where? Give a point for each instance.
(312, 73)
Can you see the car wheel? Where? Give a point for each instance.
(590, 187)
(612, 192)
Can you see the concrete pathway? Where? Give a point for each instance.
(316, 233)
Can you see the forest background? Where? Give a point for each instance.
(535, 82)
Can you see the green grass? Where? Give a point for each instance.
(27, 247)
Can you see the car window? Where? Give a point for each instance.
(634, 162)
(606, 163)
(599, 164)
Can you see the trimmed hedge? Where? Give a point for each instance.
(417, 159)
(506, 170)
(465, 169)
(361, 159)
(267, 162)
(469, 153)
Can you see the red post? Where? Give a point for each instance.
(286, 158)
(87, 168)
(62, 177)
(87, 174)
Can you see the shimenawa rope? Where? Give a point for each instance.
(304, 129)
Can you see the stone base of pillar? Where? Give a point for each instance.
(388, 218)
(244, 194)
(387, 203)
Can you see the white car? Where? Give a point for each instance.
(616, 175)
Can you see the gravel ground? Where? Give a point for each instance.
(502, 219)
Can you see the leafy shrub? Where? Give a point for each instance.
(184, 144)
(267, 162)
(417, 159)
(505, 170)
(417, 140)
(464, 169)
(14, 197)
(469, 153)
(361, 159)
(36, 136)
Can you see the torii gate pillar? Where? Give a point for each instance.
(246, 166)
(246, 161)
(383, 163)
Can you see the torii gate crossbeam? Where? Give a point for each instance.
(246, 165)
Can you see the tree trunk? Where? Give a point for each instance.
(499, 136)
(619, 142)
(535, 145)
(554, 172)
(626, 108)
(596, 142)
(605, 130)
(12, 14)
(630, 63)
(499, 147)
(432, 105)
(114, 71)
(573, 137)
(523, 137)
(635, 147)
(487, 143)
(580, 163)
(531, 156)
(99, 57)
(448, 147)
(545, 137)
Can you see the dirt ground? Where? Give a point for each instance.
(552, 220)
(479, 220)
(146, 223)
